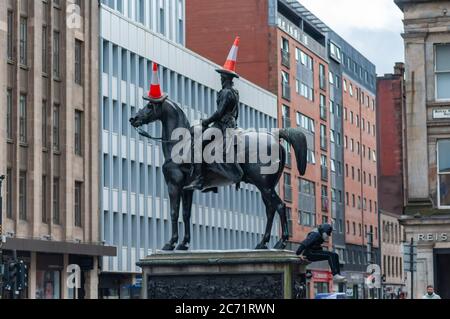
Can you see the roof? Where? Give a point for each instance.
(302, 11)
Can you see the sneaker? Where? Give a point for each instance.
(339, 278)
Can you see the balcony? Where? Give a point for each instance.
(285, 58)
(286, 91)
(288, 193)
(324, 173)
(325, 204)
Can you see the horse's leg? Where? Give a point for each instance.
(175, 196)
(187, 207)
(281, 209)
(270, 212)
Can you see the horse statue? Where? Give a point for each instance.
(178, 175)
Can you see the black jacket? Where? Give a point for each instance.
(314, 240)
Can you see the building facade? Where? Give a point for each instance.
(427, 143)
(393, 276)
(289, 51)
(134, 200)
(391, 162)
(49, 145)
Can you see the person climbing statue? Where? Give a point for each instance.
(311, 250)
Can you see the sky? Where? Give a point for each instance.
(373, 27)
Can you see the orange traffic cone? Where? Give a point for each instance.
(155, 93)
(230, 65)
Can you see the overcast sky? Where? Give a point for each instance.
(373, 27)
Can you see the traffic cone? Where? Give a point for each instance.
(155, 93)
(230, 65)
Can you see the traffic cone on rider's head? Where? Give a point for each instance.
(230, 65)
(155, 93)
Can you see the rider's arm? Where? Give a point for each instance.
(221, 110)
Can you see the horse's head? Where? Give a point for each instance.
(152, 112)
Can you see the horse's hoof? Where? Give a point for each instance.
(182, 247)
(281, 245)
(168, 247)
(262, 247)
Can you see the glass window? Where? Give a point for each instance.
(443, 72)
(48, 284)
(23, 41)
(444, 172)
(56, 68)
(23, 119)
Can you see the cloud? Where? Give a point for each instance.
(371, 26)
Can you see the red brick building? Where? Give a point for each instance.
(391, 101)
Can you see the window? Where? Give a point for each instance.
(10, 26)
(23, 195)
(345, 86)
(23, 119)
(56, 67)
(9, 108)
(335, 52)
(23, 41)
(56, 217)
(9, 197)
(56, 127)
(287, 187)
(442, 72)
(348, 227)
(78, 62)
(162, 20)
(354, 228)
(443, 149)
(322, 77)
(44, 216)
(78, 204)
(78, 133)
(305, 59)
(351, 90)
(323, 107)
(180, 22)
(44, 49)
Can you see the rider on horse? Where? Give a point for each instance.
(224, 118)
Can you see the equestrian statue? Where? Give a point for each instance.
(186, 177)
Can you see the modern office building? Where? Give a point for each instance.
(427, 144)
(134, 202)
(49, 143)
(289, 51)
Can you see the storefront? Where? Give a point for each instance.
(432, 237)
(321, 282)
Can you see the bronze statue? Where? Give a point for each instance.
(178, 175)
(224, 118)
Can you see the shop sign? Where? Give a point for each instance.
(322, 276)
(433, 237)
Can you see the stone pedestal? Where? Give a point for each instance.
(239, 274)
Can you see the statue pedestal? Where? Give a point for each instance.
(238, 274)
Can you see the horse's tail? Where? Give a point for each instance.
(297, 139)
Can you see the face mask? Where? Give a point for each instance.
(325, 236)
(430, 293)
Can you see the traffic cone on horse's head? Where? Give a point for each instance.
(155, 93)
(230, 65)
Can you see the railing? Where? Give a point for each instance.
(285, 58)
(286, 91)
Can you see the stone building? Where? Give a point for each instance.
(427, 146)
(49, 142)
